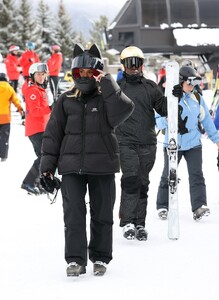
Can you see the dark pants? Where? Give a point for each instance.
(197, 186)
(101, 199)
(136, 163)
(53, 83)
(33, 174)
(14, 84)
(4, 139)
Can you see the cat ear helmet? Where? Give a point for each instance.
(86, 59)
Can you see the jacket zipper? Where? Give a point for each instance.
(83, 138)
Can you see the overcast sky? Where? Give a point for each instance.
(85, 11)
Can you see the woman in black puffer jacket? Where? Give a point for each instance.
(80, 141)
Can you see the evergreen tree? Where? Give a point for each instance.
(98, 36)
(8, 25)
(27, 26)
(67, 37)
(46, 31)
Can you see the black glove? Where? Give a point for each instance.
(177, 91)
(218, 161)
(50, 183)
(22, 115)
(182, 122)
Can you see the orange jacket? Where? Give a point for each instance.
(37, 109)
(27, 59)
(54, 64)
(11, 63)
(7, 96)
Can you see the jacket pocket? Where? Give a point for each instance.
(111, 145)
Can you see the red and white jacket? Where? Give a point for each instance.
(54, 64)
(12, 66)
(28, 58)
(37, 109)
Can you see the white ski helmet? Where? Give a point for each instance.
(132, 56)
(38, 67)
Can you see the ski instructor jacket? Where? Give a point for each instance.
(37, 108)
(80, 135)
(139, 128)
(54, 64)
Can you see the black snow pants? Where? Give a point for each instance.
(197, 185)
(136, 163)
(101, 202)
(4, 139)
(33, 174)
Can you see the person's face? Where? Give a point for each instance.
(86, 72)
(187, 88)
(40, 77)
(133, 70)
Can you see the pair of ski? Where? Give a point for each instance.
(172, 78)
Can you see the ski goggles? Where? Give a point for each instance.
(130, 62)
(76, 72)
(41, 68)
(193, 81)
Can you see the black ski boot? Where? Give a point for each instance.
(201, 212)
(99, 268)
(129, 231)
(141, 233)
(162, 213)
(74, 269)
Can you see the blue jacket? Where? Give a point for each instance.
(195, 112)
(216, 119)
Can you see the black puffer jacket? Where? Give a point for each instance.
(80, 136)
(139, 128)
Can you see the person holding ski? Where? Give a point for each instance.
(54, 64)
(80, 141)
(192, 111)
(137, 143)
(37, 116)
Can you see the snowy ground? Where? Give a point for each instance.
(32, 266)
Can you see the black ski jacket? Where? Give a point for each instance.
(139, 128)
(80, 135)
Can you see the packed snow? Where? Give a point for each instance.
(32, 265)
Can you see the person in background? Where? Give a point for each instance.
(7, 96)
(137, 143)
(28, 58)
(119, 74)
(37, 116)
(2, 65)
(80, 141)
(12, 66)
(54, 64)
(216, 118)
(162, 84)
(191, 112)
(162, 72)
